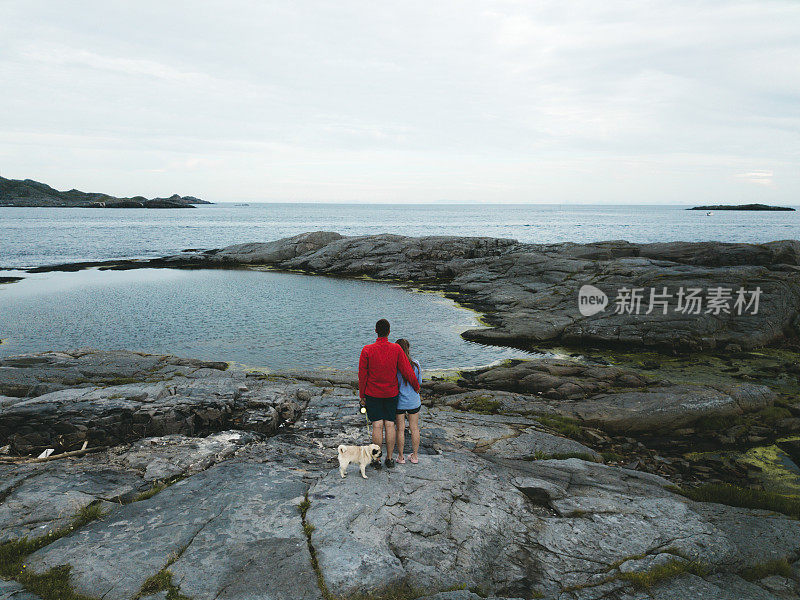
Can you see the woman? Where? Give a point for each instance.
(408, 403)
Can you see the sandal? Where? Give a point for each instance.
(401, 460)
(414, 460)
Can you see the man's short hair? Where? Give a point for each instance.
(382, 328)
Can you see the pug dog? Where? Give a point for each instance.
(363, 455)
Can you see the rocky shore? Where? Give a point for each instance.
(208, 482)
(530, 293)
(655, 458)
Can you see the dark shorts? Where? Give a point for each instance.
(408, 411)
(381, 409)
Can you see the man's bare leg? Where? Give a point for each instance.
(377, 432)
(389, 428)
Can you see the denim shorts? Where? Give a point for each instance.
(381, 409)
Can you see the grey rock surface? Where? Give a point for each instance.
(509, 527)
(780, 586)
(274, 252)
(108, 398)
(665, 408)
(455, 595)
(478, 511)
(38, 499)
(11, 590)
(231, 531)
(719, 587)
(610, 398)
(170, 456)
(495, 435)
(555, 379)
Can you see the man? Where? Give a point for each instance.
(377, 385)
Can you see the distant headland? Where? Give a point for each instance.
(741, 207)
(27, 192)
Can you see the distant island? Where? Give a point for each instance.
(27, 192)
(741, 207)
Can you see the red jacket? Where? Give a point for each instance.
(378, 367)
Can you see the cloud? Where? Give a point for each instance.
(493, 100)
(61, 55)
(759, 177)
(65, 55)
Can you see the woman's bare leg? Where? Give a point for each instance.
(400, 421)
(413, 425)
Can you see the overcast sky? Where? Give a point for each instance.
(415, 101)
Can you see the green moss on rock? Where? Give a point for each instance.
(724, 493)
(14, 552)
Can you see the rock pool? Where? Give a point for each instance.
(258, 318)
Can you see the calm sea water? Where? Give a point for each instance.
(37, 236)
(256, 318)
(281, 320)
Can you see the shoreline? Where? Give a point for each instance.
(591, 445)
(523, 290)
(446, 272)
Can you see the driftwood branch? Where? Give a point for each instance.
(29, 459)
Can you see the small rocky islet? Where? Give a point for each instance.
(30, 193)
(654, 461)
(745, 207)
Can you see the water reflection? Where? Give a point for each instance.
(256, 318)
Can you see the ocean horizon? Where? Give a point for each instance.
(35, 237)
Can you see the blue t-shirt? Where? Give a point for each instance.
(408, 399)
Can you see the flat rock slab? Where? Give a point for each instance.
(459, 595)
(512, 526)
(533, 444)
(496, 435)
(232, 531)
(166, 457)
(36, 499)
(629, 510)
(665, 408)
(554, 378)
(416, 524)
(61, 400)
(716, 587)
(657, 408)
(32, 375)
